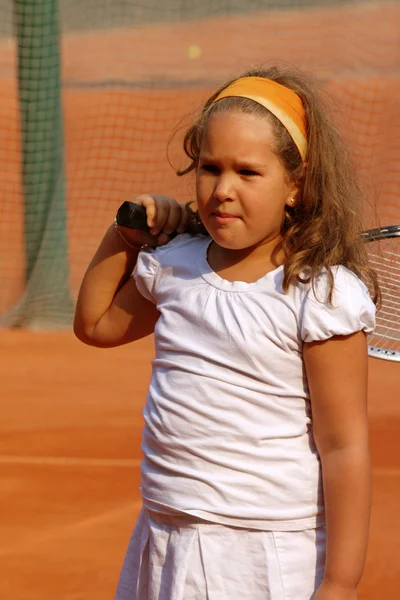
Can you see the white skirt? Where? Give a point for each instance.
(182, 558)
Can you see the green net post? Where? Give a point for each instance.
(47, 302)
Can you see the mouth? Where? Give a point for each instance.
(223, 215)
(221, 218)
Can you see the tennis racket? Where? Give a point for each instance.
(384, 257)
(133, 216)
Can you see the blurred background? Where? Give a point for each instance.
(91, 93)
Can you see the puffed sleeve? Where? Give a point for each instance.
(351, 310)
(145, 274)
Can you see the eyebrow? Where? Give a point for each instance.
(242, 164)
(252, 166)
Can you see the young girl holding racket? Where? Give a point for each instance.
(256, 470)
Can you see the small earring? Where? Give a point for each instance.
(292, 200)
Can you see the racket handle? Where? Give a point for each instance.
(133, 216)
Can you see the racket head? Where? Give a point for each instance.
(383, 246)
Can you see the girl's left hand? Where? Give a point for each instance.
(330, 591)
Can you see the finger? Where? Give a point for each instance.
(161, 216)
(163, 212)
(167, 213)
(156, 207)
(174, 217)
(183, 221)
(163, 239)
(149, 202)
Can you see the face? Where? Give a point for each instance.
(242, 187)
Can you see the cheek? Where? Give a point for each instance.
(264, 199)
(203, 190)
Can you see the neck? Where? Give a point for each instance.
(268, 253)
(247, 264)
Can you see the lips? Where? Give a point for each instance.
(224, 215)
(224, 219)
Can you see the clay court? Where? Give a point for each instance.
(71, 414)
(69, 455)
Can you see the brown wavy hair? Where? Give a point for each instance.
(323, 228)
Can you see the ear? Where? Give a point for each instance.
(292, 197)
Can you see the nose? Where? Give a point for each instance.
(224, 189)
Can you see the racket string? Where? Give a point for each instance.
(384, 259)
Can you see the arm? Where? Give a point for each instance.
(337, 376)
(110, 311)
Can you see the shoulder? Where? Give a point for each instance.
(177, 259)
(351, 308)
(347, 286)
(182, 248)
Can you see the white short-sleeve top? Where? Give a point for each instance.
(228, 429)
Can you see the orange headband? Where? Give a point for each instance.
(284, 104)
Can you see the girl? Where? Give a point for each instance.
(256, 470)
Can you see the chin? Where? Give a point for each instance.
(228, 240)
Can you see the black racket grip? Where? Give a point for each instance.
(133, 216)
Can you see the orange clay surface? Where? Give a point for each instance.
(71, 415)
(69, 467)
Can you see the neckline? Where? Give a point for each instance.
(211, 277)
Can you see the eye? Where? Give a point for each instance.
(248, 172)
(209, 168)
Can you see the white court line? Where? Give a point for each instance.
(70, 461)
(386, 472)
(68, 531)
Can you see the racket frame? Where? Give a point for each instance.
(372, 235)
